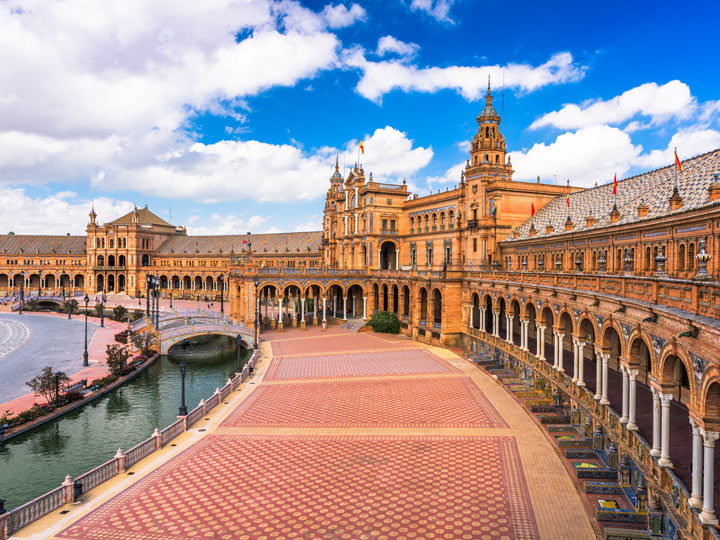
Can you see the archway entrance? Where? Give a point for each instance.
(388, 256)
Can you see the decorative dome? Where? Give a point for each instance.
(489, 112)
(336, 175)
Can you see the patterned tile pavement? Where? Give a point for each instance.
(338, 344)
(325, 487)
(363, 364)
(422, 402)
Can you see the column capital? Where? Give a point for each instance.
(561, 335)
(633, 373)
(695, 426)
(541, 327)
(709, 438)
(665, 399)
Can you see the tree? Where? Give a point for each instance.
(143, 342)
(137, 314)
(46, 383)
(73, 306)
(99, 309)
(117, 356)
(119, 313)
(384, 321)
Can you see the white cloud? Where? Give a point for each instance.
(103, 90)
(587, 156)
(379, 78)
(314, 223)
(230, 224)
(389, 44)
(60, 213)
(339, 16)
(689, 142)
(451, 176)
(437, 9)
(659, 103)
(389, 154)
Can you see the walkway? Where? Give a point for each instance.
(33, 341)
(347, 435)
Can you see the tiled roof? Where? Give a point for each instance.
(42, 244)
(145, 217)
(654, 188)
(261, 243)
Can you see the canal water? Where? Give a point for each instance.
(36, 462)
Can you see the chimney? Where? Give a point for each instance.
(569, 224)
(532, 229)
(590, 221)
(676, 200)
(549, 229)
(714, 189)
(642, 209)
(615, 214)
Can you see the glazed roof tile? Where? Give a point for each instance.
(261, 243)
(654, 188)
(145, 217)
(31, 244)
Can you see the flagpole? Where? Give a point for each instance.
(676, 169)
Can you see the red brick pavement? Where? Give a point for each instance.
(421, 402)
(349, 342)
(262, 487)
(362, 364)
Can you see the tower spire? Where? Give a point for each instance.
(488, 93)
(337, 168)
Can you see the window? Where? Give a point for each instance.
(442, 221)
(392, 224)
(451, 218)
(412, 225)
(112, 243)
(384, 224)
(475, 245)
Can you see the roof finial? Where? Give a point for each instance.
(337, 168)
(488, 84)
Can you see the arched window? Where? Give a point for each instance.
(100, 260)
(427, 222)
(681, 258)
(412, 224)
(691, 258)
(112, 243)
(442, 220)
(451, 218)
(487, 132)
(648, 263)
(145, 261)
(434, 221)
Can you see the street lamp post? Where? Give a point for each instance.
(62, 284)
(183, 370)
(147, 295)
(156, 283)
(57, 389)
(257, 315)
(22, 290)
(85, 352)
(222, 296)
(39, 285)
(102, 306)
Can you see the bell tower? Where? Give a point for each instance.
(487, 152)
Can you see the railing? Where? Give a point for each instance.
(139, 451)
(108, 268)
(98, 475)
(170, 432)
(29, 512)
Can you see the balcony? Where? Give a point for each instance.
(108, 268)
(472, 224)
(389, 231)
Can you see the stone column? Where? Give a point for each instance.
(482, 319)
(555, 350)
(397, 259)
(364, 308)
(632, 420)
(538, 342)
(272, 308)
(696, 498)
(707, 516)
(575, 359)
(472, 308)
(598, 375)
(324, 319)
(302, 309)
(354, 305)
(581, 363)
(604, 399)
(542, 342)
(279, 309)
(508, 329)
(344, 308)
(664, 460)
(624, 417)
(496, 324)
(656, 423)
(561, 337)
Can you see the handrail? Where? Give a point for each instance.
(31, 511)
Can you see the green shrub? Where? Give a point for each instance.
(386, 322)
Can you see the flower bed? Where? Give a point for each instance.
(39, 409)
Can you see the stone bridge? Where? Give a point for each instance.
(177, 326)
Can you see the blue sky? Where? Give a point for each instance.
(231, 113)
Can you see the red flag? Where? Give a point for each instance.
(615, 185)
(532, 209)
(678, 164)
(567, 198)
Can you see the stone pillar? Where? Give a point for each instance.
(280, 314)
(696, 498)
(508, 329)
(664, 460)
(496, 324)
(302, 309)
(555, 350)
(472, 308)
(482, 319)
(538, 342)
(324, 319)
(542, 342)
(575, 359)
(397, 259)
(561, 367)
(707, 516)
(604, 399)
(624, 417)
(344, 308)
(598, 375)
(364, 308)
(656, 423)
(581, 363)
(632, 420)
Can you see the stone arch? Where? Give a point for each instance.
(384, 297)
(515, 313)
(388, 254)
(709, 396)
(676, 367)
(437, 306)
(547, 317)
(641, 353)
(423, 297)
(613, 325)
(326, 290)
(566, 321)
(475, 299)
(406, 301)
(587, 325)
(395, 307)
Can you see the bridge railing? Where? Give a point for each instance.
(67, 493)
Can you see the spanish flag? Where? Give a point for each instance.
(615, 185)
(567, 199)
(362, 148)
(677, 162)
(532, 209)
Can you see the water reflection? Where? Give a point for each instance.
(36, 462)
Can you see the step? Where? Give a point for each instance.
(603, 488)
(616, 533)
(599, 474)
(543, 409)
(581, 453)
(620, 515)
(555, 420)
